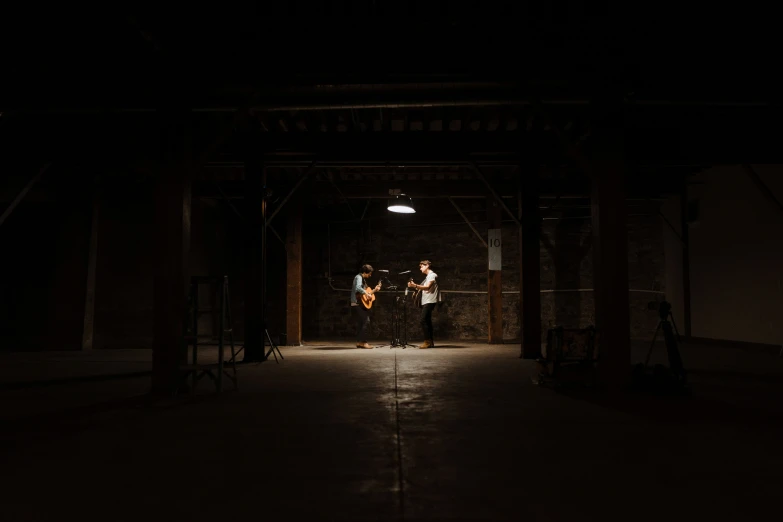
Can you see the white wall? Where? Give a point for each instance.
(736, 256)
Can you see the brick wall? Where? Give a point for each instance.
(460, 261)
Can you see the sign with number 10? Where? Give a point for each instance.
(493, 246)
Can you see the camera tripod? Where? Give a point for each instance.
(673, 351)
(399, 321)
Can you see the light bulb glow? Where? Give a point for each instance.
(401, 209)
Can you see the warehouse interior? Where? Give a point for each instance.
(187, 198)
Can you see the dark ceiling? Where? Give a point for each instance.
(136, 58)
(366, 85)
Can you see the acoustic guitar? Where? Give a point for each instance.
(416, 299)
(367, 299)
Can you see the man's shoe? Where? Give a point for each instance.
(364, 345)
(426, 344)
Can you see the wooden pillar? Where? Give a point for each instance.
(255, 252)
(494, 284)
(172, 245)
(88, 330)
(530, 264)
(686, 260)
(610, 254)
(293, 246)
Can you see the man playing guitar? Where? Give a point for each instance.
(430, 296)
(361, 301)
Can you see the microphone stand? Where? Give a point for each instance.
(397, 341)
(406, 273)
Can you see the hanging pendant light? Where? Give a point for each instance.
(401, 204)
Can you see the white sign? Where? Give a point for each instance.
(493, 245)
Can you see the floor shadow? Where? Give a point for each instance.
(745, 376)
(67, 420)
(671, 408)
(18, 385)
(75, 419)
(335, 348)
(410, 347)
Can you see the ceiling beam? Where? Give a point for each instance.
(650, 146)
(494, 193)
(135, 102)
(647, 187)
(391, 145)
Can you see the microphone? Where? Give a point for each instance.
(406, 272)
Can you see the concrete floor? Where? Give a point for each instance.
(458, 432)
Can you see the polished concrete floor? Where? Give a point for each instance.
(458, 432)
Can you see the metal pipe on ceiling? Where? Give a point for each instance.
(492, 102)
(402, 86)
(460, 223)
(411, 164)
(397, 105)
(389, 164)
(393, 105)
(365, 164)
(541, 196)
(421, 196)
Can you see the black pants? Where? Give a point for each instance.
(426, 320)
(362, 317)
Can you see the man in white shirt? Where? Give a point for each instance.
(430, 296)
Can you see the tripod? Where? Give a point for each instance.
(399, 324)
(272, 347)
(673, 351)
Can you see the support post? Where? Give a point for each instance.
(88, 331)
(255, 252)
(172, 246)
(610, 251)
(530, 263)
(494, 283)
(294, 275)
(686, 260)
